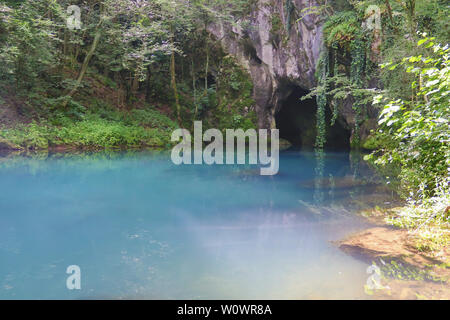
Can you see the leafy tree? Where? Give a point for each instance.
(414, 134)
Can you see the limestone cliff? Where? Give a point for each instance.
(279, 50)
(279, 43)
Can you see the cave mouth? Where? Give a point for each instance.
(296, 120)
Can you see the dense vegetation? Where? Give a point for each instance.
(397, 67)
(131, 73)
(413, 138)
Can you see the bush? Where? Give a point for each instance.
(416, 133)
(341, 28)
(92, 132)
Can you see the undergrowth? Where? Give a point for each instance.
(106, 129)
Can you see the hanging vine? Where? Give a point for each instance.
(321, 98)
(319, 195)
(335, 73)
(358, 49)
(349, 46)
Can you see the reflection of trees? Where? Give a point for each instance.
(319, 173)
(355, 167)
(351, 185)
(39, 161)
(355, 164)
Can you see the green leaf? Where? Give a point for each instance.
(421, 42)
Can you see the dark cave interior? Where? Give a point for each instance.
(296, 120)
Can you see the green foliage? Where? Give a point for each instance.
(276, 23)
(429, 218)
(91, 133)
(403, 271)
(28, 44)
(413, 138)
(340, 29)
(418, 214)
(354, 51)
(321, 98)
(371, 143)
(432, 17)
(416, 131)
(99, 128)
(235, 103)
(151, 118)
(348, 48)
(134, 46)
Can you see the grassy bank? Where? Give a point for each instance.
(102, 130)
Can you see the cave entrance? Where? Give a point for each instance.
(296, 120)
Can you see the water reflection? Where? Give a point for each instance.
(141, 227)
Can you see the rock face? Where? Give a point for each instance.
(279, 50)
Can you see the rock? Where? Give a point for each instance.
(281, 51)
(276, 67)
(387, 243)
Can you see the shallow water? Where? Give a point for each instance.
(140, 227)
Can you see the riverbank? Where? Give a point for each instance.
(410, 265)
(136, 129)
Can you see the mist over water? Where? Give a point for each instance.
(141, 227)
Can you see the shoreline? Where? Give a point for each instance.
(406, 272)
(75, 149)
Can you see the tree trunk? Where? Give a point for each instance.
(194, 89)
(148, 87)
(85, 65)
(206, 68)
(174, 85)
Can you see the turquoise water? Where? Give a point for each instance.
(140, 227)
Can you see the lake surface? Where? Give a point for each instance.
(140, 227)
